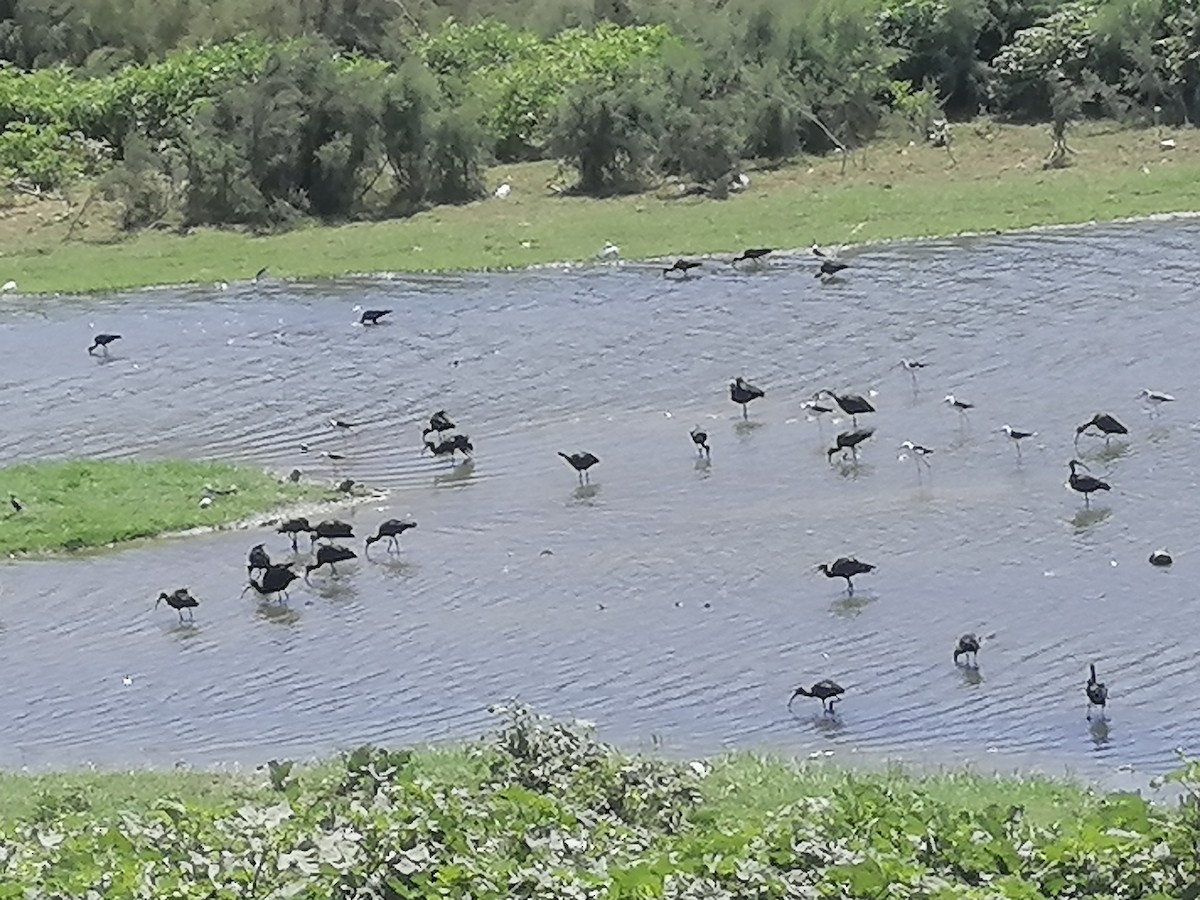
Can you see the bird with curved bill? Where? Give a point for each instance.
(827, 691)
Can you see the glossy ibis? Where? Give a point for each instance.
(178, 600)
(275, 580)
(102, 341)
(845, 567)
(827, 691)
(460, 443)
(829, 268)
(294, 527)
(331, 528)
(852, 405)
(849, 440)
(328, 555)
(438, 422)
(754, 253)
(1107, 424)
(684, 266)
(968, 644)
(372, 316)
(741, 391)
(1085, 484)
(391, 529)
(257, 560)
(581, 462)
(700, 439)
(1097, 692)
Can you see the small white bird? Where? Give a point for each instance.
(1156, 398)
(961, 405)
(610, 251)
(8, 286)
(503, 191)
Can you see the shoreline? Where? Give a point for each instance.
(582, 263)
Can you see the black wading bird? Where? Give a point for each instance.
(1085, 484)
(684, 266)
(754, 253)
(581, 462)
(1107, 425)
(438, 422)
(700, 439)
(826, 691)
(294, 527)
(391, 529)
(274, 581)
(845, 567)
(742, 392)
(330, 529)
(849, 440)
(258, 560)
(852, 405)
(372, 316)
(178, 600)
(327, 555)
(1097, 693)
(102, 341)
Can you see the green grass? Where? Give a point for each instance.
(82, 504)
(542, 809)
(893, 190)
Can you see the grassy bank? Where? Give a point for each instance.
(892, 190)
(83, 504)
(541, 809)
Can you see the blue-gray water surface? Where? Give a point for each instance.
(678, 599)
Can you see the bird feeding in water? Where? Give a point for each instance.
(1156, 399)
(700, 439)
(827, 691)
(845, 567)
(919, 453)
(294, 527)
(329, 529)
(683, 266)
(581, 462)
(1097, 693)
(438, 422)
(328, 555)
(372, 316)
(968, 644)
(1107, 425)
(258, 560)
(829, 269)
(1161, 557)
(852, 405)
(1017, 436)
(178, 600)
(102, 341)
(743, 392)
(1084, 484)
(849, 440)
(391, 529)
(460, 443)
(274, 581)
(754, 253)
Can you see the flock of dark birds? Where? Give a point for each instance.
(274, 578)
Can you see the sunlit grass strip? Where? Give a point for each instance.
(83, 504)
(895, 191)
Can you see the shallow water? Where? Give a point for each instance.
(678, 599)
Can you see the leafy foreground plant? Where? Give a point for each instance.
(541, 809)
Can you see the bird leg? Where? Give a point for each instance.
(745, 412)
(849, 587)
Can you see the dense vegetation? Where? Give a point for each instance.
(263, 113)
(79, 504)
(541, 809)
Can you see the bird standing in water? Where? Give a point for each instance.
(845, 567)
(700, 439)
(849, 440)
(328, 555)
(581, 462)
(968, 644)
(741, 391)
(275, 580)
(852, 405)
(258, 560)
(754, 253)
(1084, 484)
(1017, 436)
(438, 422)
(294, 527)
(391, 529)
(102, 341)
(1106, 424)
(827, 691)
(1097, 693)
(178, 600)
(684, 266)
(372, 316)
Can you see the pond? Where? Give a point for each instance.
(677, 599)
